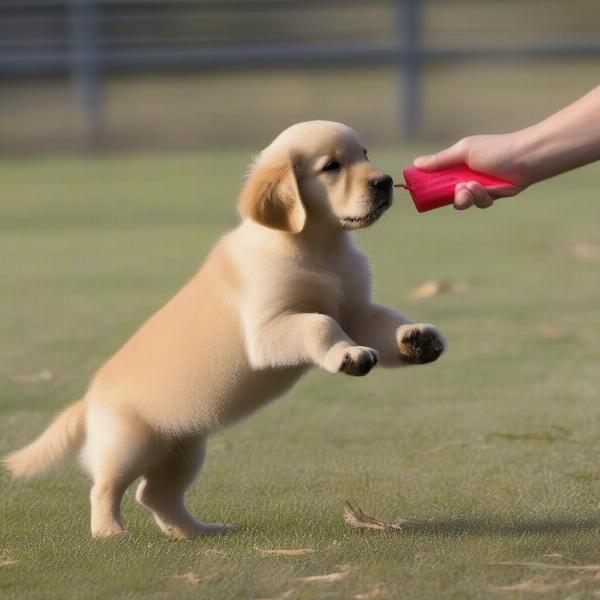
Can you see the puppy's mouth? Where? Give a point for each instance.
(369, 218)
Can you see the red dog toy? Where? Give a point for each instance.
(432, 189)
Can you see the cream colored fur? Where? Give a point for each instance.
(285, 291)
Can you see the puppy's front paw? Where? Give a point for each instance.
(419, 343)
(352, 360)
(358, 360)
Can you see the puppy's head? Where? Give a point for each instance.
(315, 174)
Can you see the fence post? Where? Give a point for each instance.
(86, 68)
(410, 17)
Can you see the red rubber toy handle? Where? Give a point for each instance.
(433, 189)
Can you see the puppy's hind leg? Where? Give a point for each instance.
(116, 453)
(163, 487)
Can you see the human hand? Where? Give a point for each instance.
(495, 155)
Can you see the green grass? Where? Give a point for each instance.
(493, 451)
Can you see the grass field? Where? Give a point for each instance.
(492, 453)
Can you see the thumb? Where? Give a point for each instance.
(455, 155)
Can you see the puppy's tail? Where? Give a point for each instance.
(63, 438)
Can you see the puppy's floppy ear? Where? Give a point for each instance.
(271, 198)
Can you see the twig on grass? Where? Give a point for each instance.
(329, 577)
(376, 592)
(555, 567)
(446, 446)
(192, 578)
(556, 433)
(8, 561)
(214, 552)
(536, 586)
(284, 552)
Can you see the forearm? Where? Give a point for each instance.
(396, 338)
(566, 140)
(376, 325)
(297, 339)
(303, 339)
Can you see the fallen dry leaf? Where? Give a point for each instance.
(552, 566)
(192, 578)
(429, 289)
(35, 377)
(540, 587)
(329, 578)
(377, 592)
(285, 552)
(283, 596)
(357, 517)
(552, 332)
(7, 561)
(585, 250)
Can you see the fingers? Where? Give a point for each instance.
(481, 197)
(504, 191)
(455, 155)
(471, 193)
(463, 198)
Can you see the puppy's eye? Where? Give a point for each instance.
(332, 165)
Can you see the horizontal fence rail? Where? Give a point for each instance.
(89, 39)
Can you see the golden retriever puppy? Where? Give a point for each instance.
(285, 291)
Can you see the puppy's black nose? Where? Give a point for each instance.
(383, 184)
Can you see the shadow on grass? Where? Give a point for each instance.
(486, 525)
(475, 524)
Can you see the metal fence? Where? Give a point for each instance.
(90, 39)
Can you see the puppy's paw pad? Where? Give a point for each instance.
(358, 360)
(420, 344)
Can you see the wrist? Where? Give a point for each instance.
(527, 151)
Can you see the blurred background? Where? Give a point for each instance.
(125, 131)
(165, 74)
